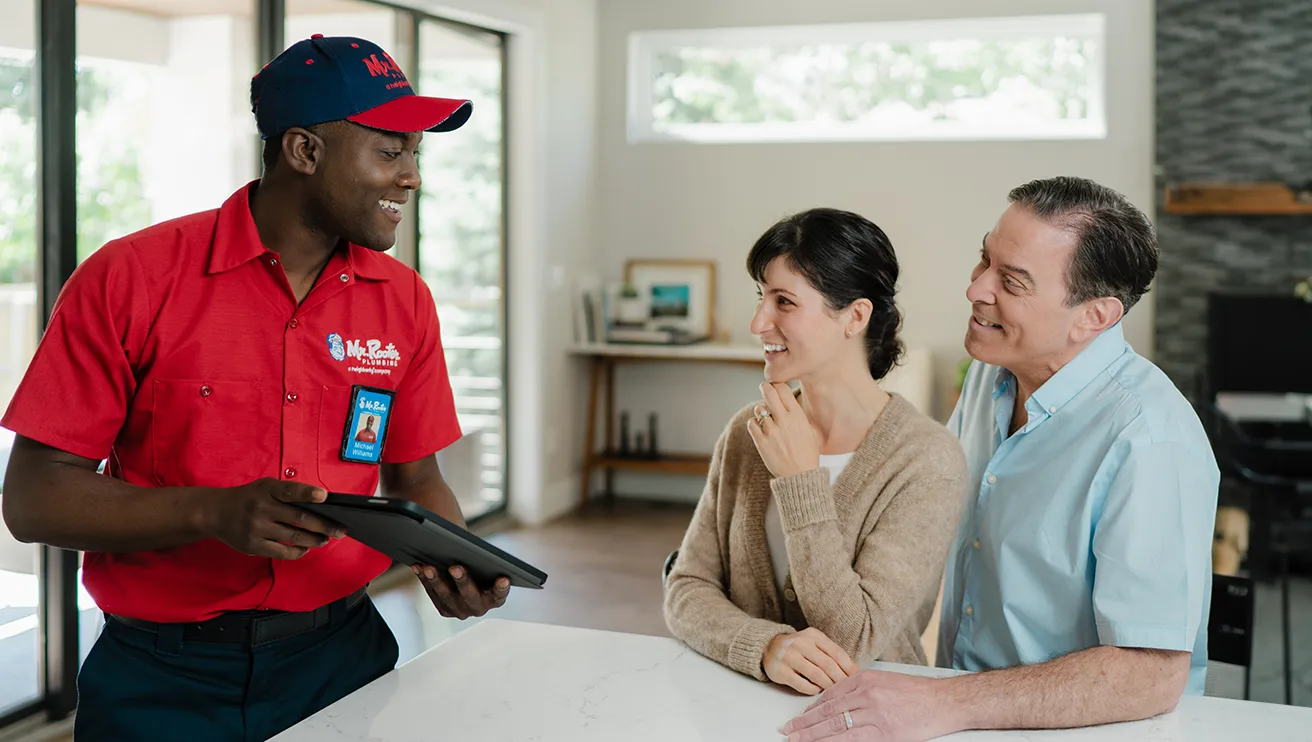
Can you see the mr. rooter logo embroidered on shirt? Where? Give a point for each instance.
(369, 356)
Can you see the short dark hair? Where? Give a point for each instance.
(273, 145)
(845, 257)
(1115, 243)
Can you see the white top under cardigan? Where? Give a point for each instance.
(774, 530)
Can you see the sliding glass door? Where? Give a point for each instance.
(146, 116)
(462, 251)
(20, 636)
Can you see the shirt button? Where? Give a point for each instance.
(1052, 410)
(344, 278)
(289, 472)
(291, 396)
(273, 261)
(789, 595)
(976, 544)
(970, 611)
(205, 391)
(993, 479)
(292, 324)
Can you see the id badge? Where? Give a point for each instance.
(366, 425)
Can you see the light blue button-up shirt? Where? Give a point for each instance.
(1092, 525)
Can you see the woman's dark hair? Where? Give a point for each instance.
(845, 257)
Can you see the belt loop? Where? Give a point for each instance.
(168, 639)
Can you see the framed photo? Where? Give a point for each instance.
(680, 294)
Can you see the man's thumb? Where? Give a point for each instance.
(297, 492)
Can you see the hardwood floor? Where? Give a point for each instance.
(603, 572)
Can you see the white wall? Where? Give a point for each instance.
(935, 199)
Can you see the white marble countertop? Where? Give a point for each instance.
(521, 682)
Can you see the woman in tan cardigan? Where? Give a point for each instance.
(819, 542)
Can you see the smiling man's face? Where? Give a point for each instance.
(362, 181)
(1018, 294)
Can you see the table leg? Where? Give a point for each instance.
(1259, 560)
(1284, 627)
(609, 443)
(590, 437)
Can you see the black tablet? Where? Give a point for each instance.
(411, 534)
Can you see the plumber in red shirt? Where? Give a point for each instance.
(232, 613)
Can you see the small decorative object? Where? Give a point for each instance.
(651, 437)
(630, 309)
(624, 434)
(590, 312)
(1303, 290)
(679, 294)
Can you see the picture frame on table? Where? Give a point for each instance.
(679, 293)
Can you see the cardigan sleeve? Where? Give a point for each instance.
(865, 601)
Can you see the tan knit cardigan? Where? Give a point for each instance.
(865, 557)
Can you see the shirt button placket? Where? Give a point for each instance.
(298, 434)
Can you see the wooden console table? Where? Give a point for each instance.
(604, 358)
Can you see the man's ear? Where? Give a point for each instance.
(303, 150)
(1098, 315)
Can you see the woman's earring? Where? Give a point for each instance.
(849, 332)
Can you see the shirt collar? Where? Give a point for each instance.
(1001, 379)
(237, 241)
(1072, 378)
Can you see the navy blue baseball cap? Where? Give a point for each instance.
(339, 78)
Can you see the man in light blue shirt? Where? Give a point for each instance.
(1089, 525)
(1081, 575)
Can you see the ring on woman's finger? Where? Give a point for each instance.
(847, 719)
(761, 413)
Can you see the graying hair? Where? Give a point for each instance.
(1115, 243)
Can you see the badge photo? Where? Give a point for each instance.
(366, 425)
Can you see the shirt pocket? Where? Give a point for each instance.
(213, 433)
(348, 477)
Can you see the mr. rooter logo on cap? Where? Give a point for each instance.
(386, 67)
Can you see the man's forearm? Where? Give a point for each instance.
(1102, 685)
(73, 508)
(440, 500)
(429, 492)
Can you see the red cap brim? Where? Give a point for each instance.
(416, 113)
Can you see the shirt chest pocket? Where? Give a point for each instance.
(213, 433)
(348, 477)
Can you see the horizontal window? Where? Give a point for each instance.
(992, 78)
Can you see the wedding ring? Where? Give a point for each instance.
(761, 414)
(847, 719)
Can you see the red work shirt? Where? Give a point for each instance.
(180, 355)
